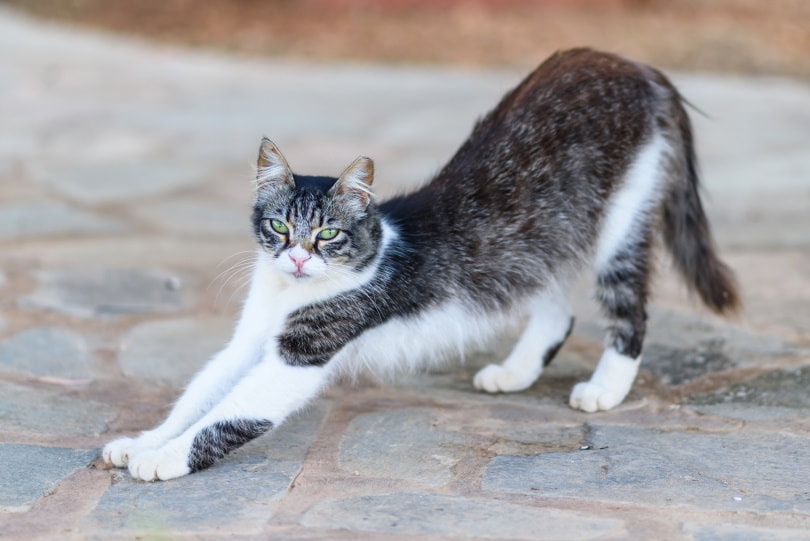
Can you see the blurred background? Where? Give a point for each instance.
(725, 36)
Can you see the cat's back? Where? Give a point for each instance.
(581, 88)
(581, 114)
(580, 78)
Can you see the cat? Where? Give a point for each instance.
(582, 163)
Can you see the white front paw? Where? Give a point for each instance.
(119, 452)
(495, 378)
(168, 462)
(593, 397)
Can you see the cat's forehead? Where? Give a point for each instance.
(316, 183)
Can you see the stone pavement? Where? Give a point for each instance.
(124, 198)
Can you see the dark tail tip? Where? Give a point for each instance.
(717, 287)
(689, 238)
(687, 234)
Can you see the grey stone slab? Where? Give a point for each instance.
(741, 532)
(36, 411)
(107, 292)
(47, 352)
(780, 388)
(237, 495)
(106, 183)
(29, 471)
(292, 439)
(400, 444)
(776, 395)
(753, 413)
(171, 351)
(667, 469)
(744, 347)
(680, 348)
(675, 366)
(413, 513)
(43, 219)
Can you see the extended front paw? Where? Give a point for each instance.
(591, 397)
(118, 452)
(495, 378)
(168, 462)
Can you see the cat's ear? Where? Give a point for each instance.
(272, 167)
(354, 184)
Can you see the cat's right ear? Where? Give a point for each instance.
(272, 168)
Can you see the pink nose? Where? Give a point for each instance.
(299, 259)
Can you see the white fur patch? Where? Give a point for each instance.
(637, 196)
(609, 384)
(549, 319)
(435, 335)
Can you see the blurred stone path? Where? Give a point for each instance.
(125, 173)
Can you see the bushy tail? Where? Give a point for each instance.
(687, 234)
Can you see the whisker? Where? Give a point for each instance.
(239, 288)
(239, 269)
(254, 258)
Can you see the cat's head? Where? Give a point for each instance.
(315, 227)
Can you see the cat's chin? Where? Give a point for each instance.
(292, 275)
(299, 278)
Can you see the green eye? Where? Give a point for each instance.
(279, 227)
(328, 234)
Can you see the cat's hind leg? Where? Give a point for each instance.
(550, 323)
(622, 291)
(623, 264)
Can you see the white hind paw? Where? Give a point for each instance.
(495, 378)
(610, 383)
(591, 397)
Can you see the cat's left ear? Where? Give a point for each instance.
(354, 184)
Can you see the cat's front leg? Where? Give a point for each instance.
(550, 323)
(260, 401)
(204, 391)
(209, 386)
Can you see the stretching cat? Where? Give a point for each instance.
(577, 165)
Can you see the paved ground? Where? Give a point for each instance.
(124, 197)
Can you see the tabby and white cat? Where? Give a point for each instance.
(580, 164)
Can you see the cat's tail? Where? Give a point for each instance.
(687, 233)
